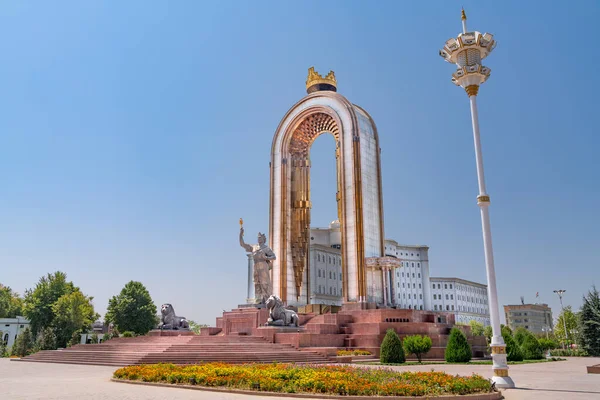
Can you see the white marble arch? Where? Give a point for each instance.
(360, 206)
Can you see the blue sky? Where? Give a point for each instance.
(135, 134)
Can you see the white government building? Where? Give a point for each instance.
(411, 288)
(411, 285)
(468, 300)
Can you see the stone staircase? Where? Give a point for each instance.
(178, 350)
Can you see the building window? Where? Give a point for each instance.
(435, 296)
(413, 265)
(319, 273)
(439, 286)
(450, 286)
(415, 296)
(418, 264)
(420, 307)
(435, 307)
(445, 286)
(421, 296)
(403, 285)
(340, 276)
(413, 274)
(451, 297)
(447, 308)
(398, 285)
(420, 286)
(403, 295)
(446, 297)
(403, 274)
(419, 274)
(452, 308)
(414, 286)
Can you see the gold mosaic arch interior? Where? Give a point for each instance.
(299, 154)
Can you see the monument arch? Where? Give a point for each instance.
(358, 194)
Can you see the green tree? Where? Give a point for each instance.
(46, 339)
(457, 349)
(39, 301)
(547, 344)
(520, 334)
(24, 344)
(74, 313)
(513, 350)
(477, 328)
(195, 327)
(11, 304)
(132, 310)
(391, 351)
(531, 348)
(417, 345)
(589, 322)
(570, 319)
(487, 332)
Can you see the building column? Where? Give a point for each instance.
(383, 287)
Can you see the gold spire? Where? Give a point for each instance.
(315, 78)
(463, 16)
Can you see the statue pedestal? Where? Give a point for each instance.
(251, 305)
(165, 332)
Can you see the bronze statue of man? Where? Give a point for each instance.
(262, 255)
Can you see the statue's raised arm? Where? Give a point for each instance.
(246, 247)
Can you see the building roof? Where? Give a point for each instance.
(466, 282)
(413, 246)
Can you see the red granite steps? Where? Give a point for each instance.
(179, 350)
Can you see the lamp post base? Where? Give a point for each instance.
(503, 382)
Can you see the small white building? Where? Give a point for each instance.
(10, 328)
(468, 300)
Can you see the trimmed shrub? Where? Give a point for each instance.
(94, 338)
(513, 350)
(547, 344)
(458, 349)
(128, 334)
(417, 345)
(568, 353)
(391, 351)
(3, 349)
(531, 348)
(106, 337)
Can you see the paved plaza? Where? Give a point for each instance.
(21, 380)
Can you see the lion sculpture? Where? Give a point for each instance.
(278, 314)
(169, 320)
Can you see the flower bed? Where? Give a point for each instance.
(353, 353)
(289, 378)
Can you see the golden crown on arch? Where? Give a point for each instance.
(315, 78)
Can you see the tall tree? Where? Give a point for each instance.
(589, 322)
(477, 328)
(11, 304)
(132, 310)
(73, 314)
(569, 320)
(39, 301)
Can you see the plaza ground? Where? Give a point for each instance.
(24, 380)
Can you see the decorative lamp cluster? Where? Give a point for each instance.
(467, 51)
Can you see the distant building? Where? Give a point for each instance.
(411, 282)
(10, 328)
(468, 300)
(534, 317)
(325, 265)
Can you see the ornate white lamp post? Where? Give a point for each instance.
(467, 51)
(560, 293)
